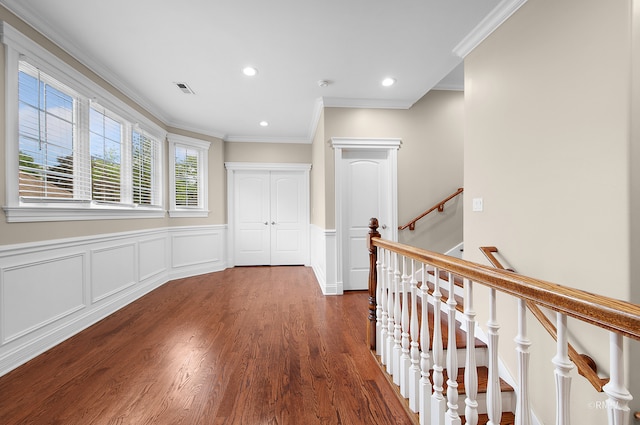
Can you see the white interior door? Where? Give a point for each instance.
(252, 215)
(288, 221)
(366, 193)
(270, 217)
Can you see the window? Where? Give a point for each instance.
(105, 134)
(188, 175)
(74, 151)
(187, 181)
(145, 169)
(46, 115)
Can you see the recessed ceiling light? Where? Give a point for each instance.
(250, 71)
(388, 81)
(264, 123)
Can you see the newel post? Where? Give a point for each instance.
(373, 282)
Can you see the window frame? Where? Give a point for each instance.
(202, 147)
(18, 48)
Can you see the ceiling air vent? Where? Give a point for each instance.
(185, 88)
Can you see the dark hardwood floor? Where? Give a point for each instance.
(250, 345)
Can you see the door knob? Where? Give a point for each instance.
(266, 223)
(273, 222)
(384, 226)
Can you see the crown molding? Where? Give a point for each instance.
(489, 24)
(203, 131)
(268, 139)
(449, 87)
(342, 102)
(23, 11)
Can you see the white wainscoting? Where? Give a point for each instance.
(323, 259)
(194, 250)
(52, 290)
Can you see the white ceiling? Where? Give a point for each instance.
(143, 47)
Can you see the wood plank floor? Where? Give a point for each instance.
(250, 345)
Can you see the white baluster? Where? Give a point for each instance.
(563, 368)
(414, 370)
(385, 308)
(619, 396)
(494, 398)
(379, 291)
(470, 370)
(405, 360)
(425, 360)
(390, 318)
(523, 412)
(438, 406)
(452, 417)
(397, 329)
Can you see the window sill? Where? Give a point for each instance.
(50, 212)
(188, 213)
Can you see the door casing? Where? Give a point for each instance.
(341, 145)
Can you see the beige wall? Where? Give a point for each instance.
(429, 161)
(546, 147)
(268, 152)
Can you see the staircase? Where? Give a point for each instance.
(480, 349)
(422, 319)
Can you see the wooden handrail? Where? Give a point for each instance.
(607, 313)
(439, 206)
(586, 366)
(488, 252)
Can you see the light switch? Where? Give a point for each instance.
(477, 204)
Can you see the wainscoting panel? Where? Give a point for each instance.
(113, 269)
(196, 251)
(51, 290)
(39, 293)
(153, 255)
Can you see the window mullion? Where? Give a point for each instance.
(126, 174)
(82, 154)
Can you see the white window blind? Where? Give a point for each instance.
(187, 179)
(144, 159)
(47, 124)
(105, 134)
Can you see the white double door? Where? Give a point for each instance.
(270, 217)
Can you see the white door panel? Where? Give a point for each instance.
(252, 219)
(288, 222)
(366, 196)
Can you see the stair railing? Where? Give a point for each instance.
(585, 364)
(434, 404)
(438, 206)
